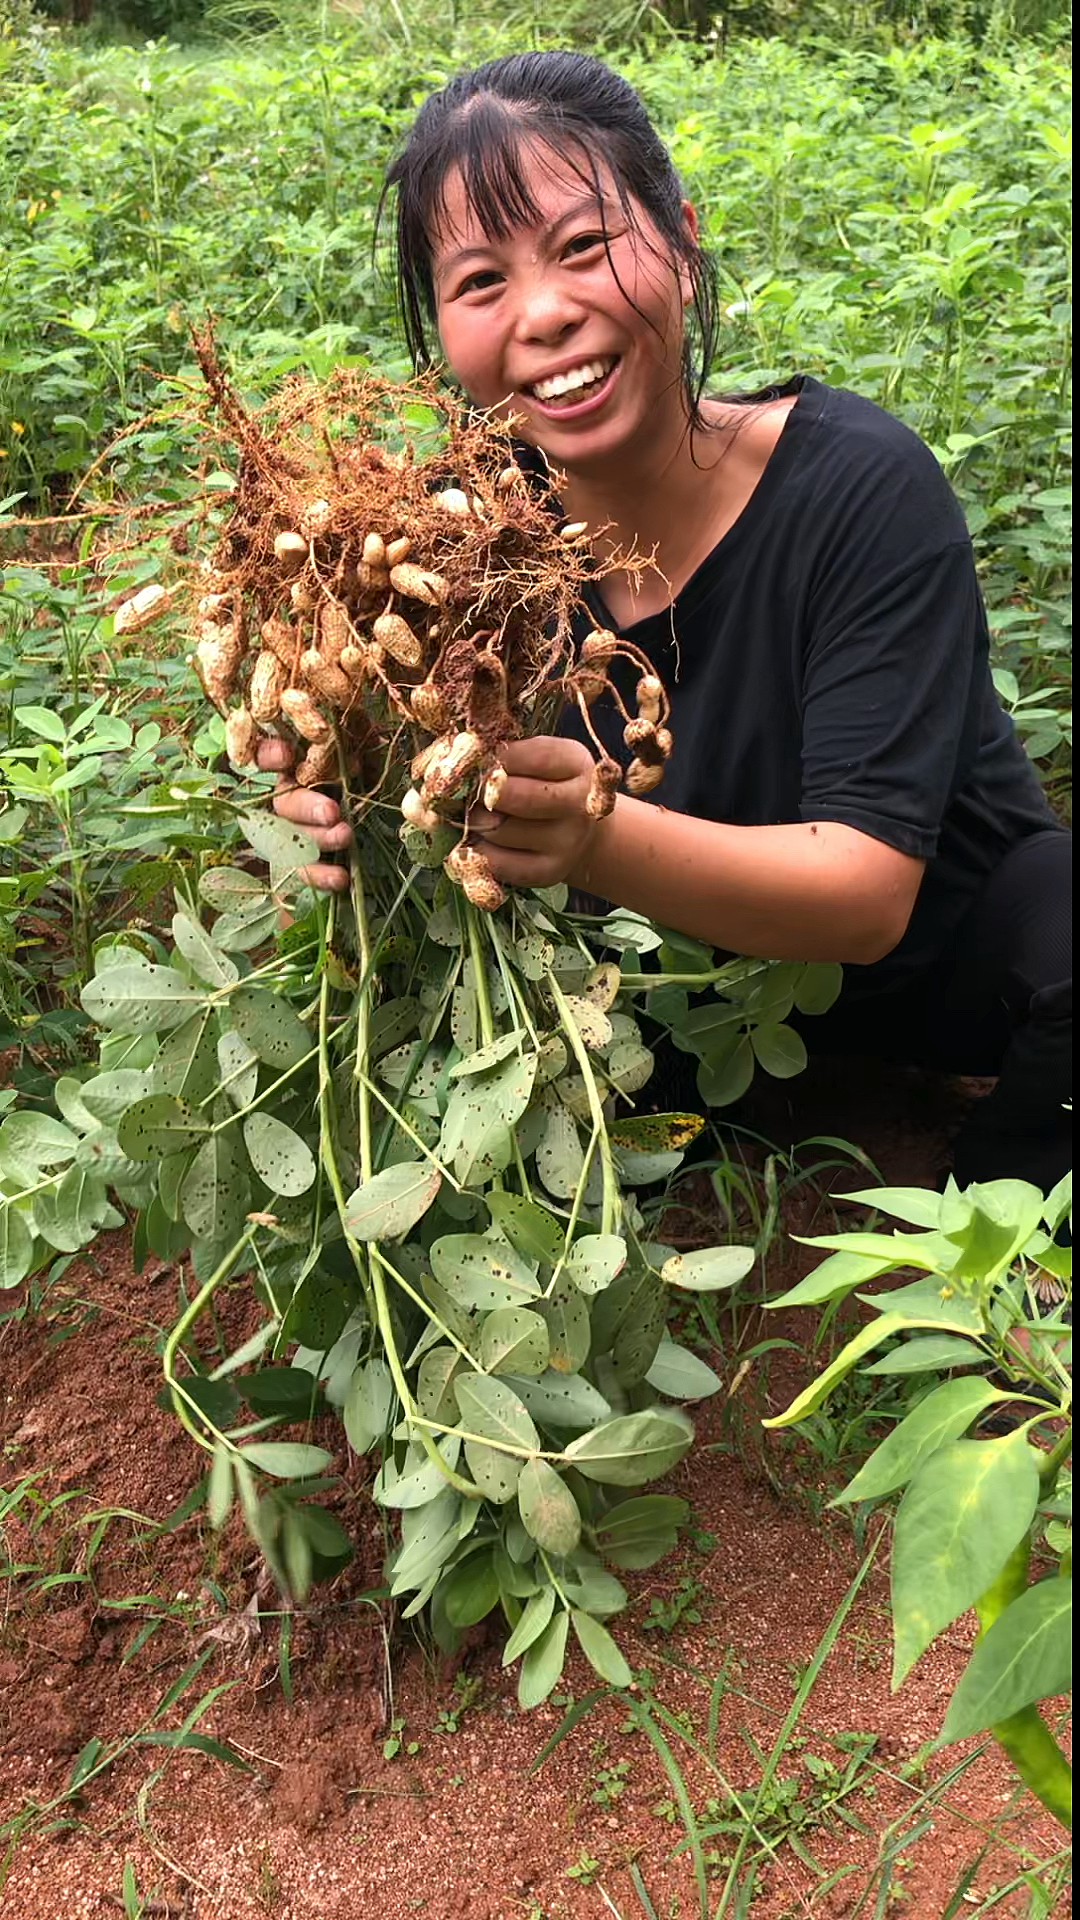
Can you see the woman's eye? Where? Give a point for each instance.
(585, 242)
(480, 282)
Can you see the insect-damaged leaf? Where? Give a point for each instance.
(708, 1270)
(567, 1319)
(145, 999)
(514, 1340)
(657, 1132)
(386, 1206)
(590, 1020)
(480, 1114)
(489, 1056)
(284, 848)
(269, 1026)
(548, 1508)
(109, 1095)
(561, 1399)
(632, 1448)
(186, 1063)
(479, 1275)
(560, 1156)
(595, 1261)
(231, 890)
(198, 949)
(530, 1229)
(239, 1069)
(159, 1125)
(216, 1194)
(283, 1161)
(491, 1408)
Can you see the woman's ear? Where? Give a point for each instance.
(693, 235)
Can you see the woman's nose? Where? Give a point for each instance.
(547, 310)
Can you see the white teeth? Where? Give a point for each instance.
(562, 383)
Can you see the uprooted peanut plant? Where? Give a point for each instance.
(405, 1116)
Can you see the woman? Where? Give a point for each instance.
(844, 784)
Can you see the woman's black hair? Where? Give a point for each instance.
(479, 125)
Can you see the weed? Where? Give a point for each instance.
(468, 1692)
(681, 1608)
(396, 1742)
(585, 1869)
(611, 1783)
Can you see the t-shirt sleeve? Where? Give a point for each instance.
(895, 648)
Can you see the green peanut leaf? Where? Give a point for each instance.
(491, 1409)
(283, 1161)
(146, 999)
(779, 1049)
(632, 1448)
(391, 1202)
(109, 1095)
(600, 1650)
(269, 1026)
(560, 1155)
(489, 1056)
(287, 1459)
(514, 1340)
(69, 1215)
(818, 986)
(36, 1140)
(548, 1509)
(480, 1275)
(239, 1069)
(216, 1193)
(219, 1492)
(680, 1374)
(561, 1400)
(595, 1261)
(283, 847)
(538, 1611)
(958, 1522)
(368, 1405)
(709, 1270)
(231, 890)
(637, 1533)
(567, 1318)
(198, 949)
(16, 1245)
(159, 1125)
(543, 1663)
(943, 1416)
(186, 1063)
(530, 1229)
(1024, 1657)
(471, 1590)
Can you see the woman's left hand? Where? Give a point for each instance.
(542, 829)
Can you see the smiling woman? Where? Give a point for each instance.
(844, 785)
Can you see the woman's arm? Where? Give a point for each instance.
(807, 891)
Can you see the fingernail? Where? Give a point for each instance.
(325, 815)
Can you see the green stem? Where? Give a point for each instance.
(1024, 1736)
(181, 1399)
(609, 1212)
(476, 955)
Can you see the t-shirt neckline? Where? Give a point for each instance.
(808, 394)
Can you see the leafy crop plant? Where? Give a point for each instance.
(407, 1113)
(973, 1327)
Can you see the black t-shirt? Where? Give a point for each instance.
(829, 660)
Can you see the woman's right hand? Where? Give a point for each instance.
(310, 810)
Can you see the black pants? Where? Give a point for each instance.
(998, 1002)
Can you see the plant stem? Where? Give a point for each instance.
(609, 1211)
(181, 1399)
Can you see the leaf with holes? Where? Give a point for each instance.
(480, 1275)
(480, 1115)
(269, 1026)
(491, 1409)
(214, 968)
(239, 1069)
(530, 1229)
(391, 1202)
(595, 1261)
(514, 1340)
(231, 890)
(186, 1061)
(591, 1021)
(216, 1194)
(146, 999)
(561, 1399)
(283, 847)
(560, 1156)
(630, 1066)
(283, 1161)
(567, 1318)
(159, 1125)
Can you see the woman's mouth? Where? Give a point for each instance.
(578, 387)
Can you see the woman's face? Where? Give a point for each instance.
(578, 338)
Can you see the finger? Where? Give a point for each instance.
(325, 878)
(304, 807)
(546, 757)
(273, 755)
(518, 869)
(530, 799)
(481, 821)
(520, 836)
